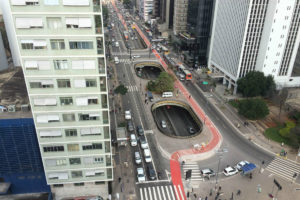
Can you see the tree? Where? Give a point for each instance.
(285, 132)
(294, 136)
(121, 89)
(253, 108)
(255, 84)
(164, 83)
(127, 3)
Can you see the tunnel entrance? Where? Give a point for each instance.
(148, 70)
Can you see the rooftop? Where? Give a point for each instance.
(13, 92)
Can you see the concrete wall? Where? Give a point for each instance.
(3, 59)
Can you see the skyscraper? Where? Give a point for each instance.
(260, 35)
(62, 51)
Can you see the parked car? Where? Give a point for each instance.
(151, 172)
(140, 175)
(130, 126)
(138, 159)
(144, 144)
(163, 124)
(241, 164)
(136, 56)
(127, 114)
(229, 171)
(133, 140)
(147, 155)
(135, 38)
(140, 130)
(207, 173)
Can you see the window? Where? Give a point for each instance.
(41, 84)
(78, 23)
(63, 83)
(50, 133)
(26, 23)
(53, 149)
(79, 184)
(57, 44)
(51, 2)
(87, 117)
(37, 65)
(92, 146)
(74, 161)
(68, 117)
(286, 17)
(44, 119)
(73, 147)
(32, 2)
(76, 2)
(33, 44)
(83, 64)
(54, 22)
(81, 45)
(98, 160)
(99, 182)
(90, 82)
(71, 132)
(60, 185)
(64, 101)
(90, 131)
(84, 101)
(76, 174)
(55, 162)
(60, 64)
(44, 101)
(92, 101)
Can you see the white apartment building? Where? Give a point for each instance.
(145, 9)
(260, 35)
(62, 51)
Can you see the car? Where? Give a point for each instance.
(112, 39)
(136, 56)
(229, 171)
(207, 173)
(138, 158)
(147, 155)
(140, 130)
(130, 126)
(135, 38)
(117, 44)
(132, 38)
(191, 130)
(128, 114)
(163, 124)
(140, 175)
(133, 140)
(144, 143)
(151, 172)
(241, 164)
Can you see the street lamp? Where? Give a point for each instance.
(220, 153)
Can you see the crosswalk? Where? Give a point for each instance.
(161, 192)
(284, 168)
(132, 88)
(127, 60)
(196, 175)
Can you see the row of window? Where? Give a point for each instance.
(50, 2)
(90, 131)
(56, 44)
(72, 147)
(69, 117)
(79, 184)
(65, 101)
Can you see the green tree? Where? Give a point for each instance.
(285, 132)
(121, 89)
(253, 108)
(164, 83)
(255, 84)
(294, 136)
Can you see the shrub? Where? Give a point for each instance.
(253, 108)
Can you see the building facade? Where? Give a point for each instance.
(180, 16)
(62, 53)
(260, 35)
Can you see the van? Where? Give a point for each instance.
(167, 94)
(117, 60)
(147, 155)
(117, 44)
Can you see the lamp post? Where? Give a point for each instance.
(220, 153)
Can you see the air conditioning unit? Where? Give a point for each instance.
(11, 108)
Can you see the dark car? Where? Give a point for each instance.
(140, 130)
(130, 126)
(151, 172)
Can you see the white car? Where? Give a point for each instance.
(144, 144)
(141, 175)
(163, 124)
(137, 157)
(127, 114)
(136, 56)
(241, 164)
(147, 155)
(133, 140)
(229, 171)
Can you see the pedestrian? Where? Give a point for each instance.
(238, 192)
(120, 179)
(250, 176)
(206, 198)
(220, 188)
(195, 195)
(182, 163)
(145, 100)
(189, 96)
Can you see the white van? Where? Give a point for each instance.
(117, 60)
(147, 155)
(167, 94)
(117, 44)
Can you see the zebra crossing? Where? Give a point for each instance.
(196, 175)
(161, 192)
(126, 60)
(284, 168)
(132, 88)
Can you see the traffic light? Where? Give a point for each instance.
(188, 174)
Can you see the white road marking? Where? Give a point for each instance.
(177, 195)
(145, 191)
(182, 197)
(173, 198)
(158, 191)
(166, 187)
(163, 192)
(141, 193)
(150, 194)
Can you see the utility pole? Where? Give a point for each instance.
(150, 49)
(220, 153)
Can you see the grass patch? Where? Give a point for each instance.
(273, 134)
(234, 103)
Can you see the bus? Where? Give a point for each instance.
(126, 35)
(188, 74)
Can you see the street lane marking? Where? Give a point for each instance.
(154, 193)
(158, 191)
(172, 193)
(141, 193)
(146, 196)
(163, 192)
(166, 187)
(177, 195)
(150, 194)
(182, 197)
